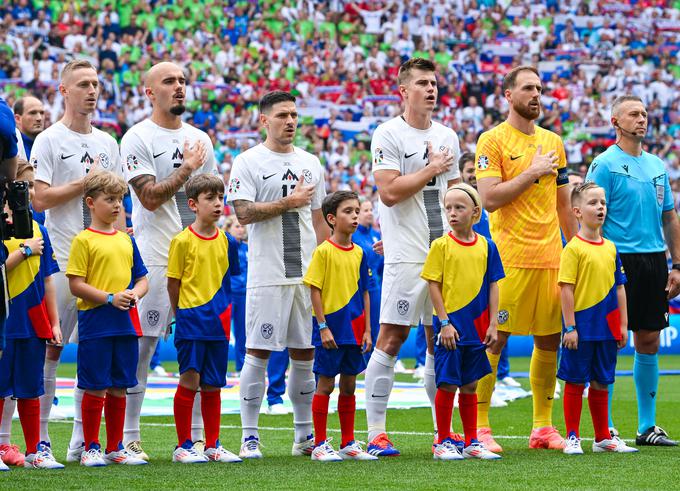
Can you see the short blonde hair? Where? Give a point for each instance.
(472, 193)
(75, 64)
(578, 192)
(104, 182)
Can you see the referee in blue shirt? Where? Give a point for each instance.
(641, 213)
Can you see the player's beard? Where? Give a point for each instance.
(178, 110)
(527, 111)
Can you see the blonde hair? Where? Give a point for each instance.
(73, 65)
(578, 192)
(104, 182)
(472, 193)
(23, 167)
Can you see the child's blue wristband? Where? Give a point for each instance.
(444, 323)
(322, 325)
(570, 329)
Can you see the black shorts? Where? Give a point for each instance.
(647, 275)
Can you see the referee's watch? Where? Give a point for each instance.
(676, 266)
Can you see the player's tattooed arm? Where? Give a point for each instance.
(153, 194)
(250, 212)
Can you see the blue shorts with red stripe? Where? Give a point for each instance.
(460, 366)
(346, 360)
(108, 362)
(208, 358)
(592, 361)
(21, 368)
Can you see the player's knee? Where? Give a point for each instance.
(347, 385)
(209, 388)
(547, 343)
(53, 353)
(448, 387)
(470, 388)
(598, 386)
(116, 391)
(325, 385)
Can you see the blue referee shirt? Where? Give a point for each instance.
(638, 192)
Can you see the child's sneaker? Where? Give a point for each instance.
(303, 449)
(220, 454)
(611, 445)
(42, 459)
(381, 446)
(447, 450)
(74, 454)
(477, 450)
(93, 457)
(546, 437)
(324, 452)
(250, 448)
(573, 445)
(354, 451)
(484, 436)
(11, 455)
(123, 457)
(135, 448)
(187, 454)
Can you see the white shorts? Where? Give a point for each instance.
(154, 308)
(405, 299)
(278, 317)
(66, 308)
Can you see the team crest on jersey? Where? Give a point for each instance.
(402, 307)
(132, 162)
(483, 162)
(34, 162)
(267, 330)
(152, 317)
(378, 157)
(503, 316)
(234, 185)
(307, 174)
(104, 161)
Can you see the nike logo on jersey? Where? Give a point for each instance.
(375, 395)
(267, 177)
(306, 393)
(515, 157)
(64, 157)
(250, 399)
(158, 155)
(409, 155)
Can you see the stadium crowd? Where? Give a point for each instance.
(341, 58)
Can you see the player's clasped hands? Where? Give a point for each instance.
(195, 155)
(570, 340)
(441, 162)
(37, 245)
(448, 336)
(327, 339)
(125, 300)
(301, 194)
(544, 164)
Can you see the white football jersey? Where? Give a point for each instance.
(409, 227)
(149, 149)
(59, 157)
(279, 249)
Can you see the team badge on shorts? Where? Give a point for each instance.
(402, 307)
(503, 316)
(152, 317)
(483, 162)
(234, 185)
(132, 162)
(267, 330)
(307, 174)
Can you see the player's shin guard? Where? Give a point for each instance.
(379, 382)
(47, 399)
(646, 377)
(598, 402)
(6, 416)
(197, 419)
(114, 415)
(29, 415)
(320, 414)
(183, 405)
(135, 395)
(573, 404)
(467, 405)
(542, 376)
(485, 388)
(211, 402)
(251, 392)
(92, 407)
(78, 433)
(301, 387)
(430, 385)
(346, 410)
(443, 402)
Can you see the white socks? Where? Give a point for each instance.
(379, 382)
(77, 437)
(251, 392)
(301, 387)
(47, 399)
(430, 385)
(6, 424)
(135, 395)
(197, 419)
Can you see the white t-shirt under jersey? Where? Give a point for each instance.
(279, 249)
(149, 149)
(61, 156)
(410, 226)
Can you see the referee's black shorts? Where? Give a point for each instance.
(647, 275)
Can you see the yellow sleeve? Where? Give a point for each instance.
(433, 269)
(488, 157)
(176, 255)
(568, 265)
(78, 258)
(317, 269)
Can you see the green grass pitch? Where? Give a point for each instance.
(520, 467)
